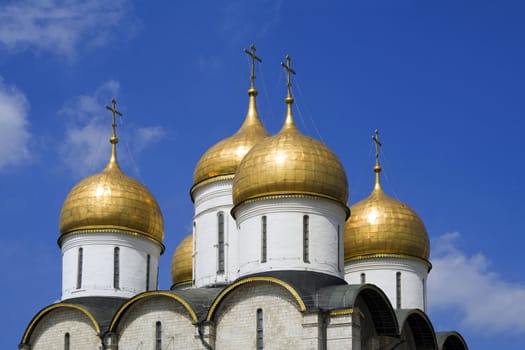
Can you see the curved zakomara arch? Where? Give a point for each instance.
(129, 303)
(256, 279)
(383, 314)
(451, 341)
(421, 327)
(40, 315)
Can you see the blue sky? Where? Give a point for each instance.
(442, 81)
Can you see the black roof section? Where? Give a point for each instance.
(102, 308)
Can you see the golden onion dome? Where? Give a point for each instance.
(111, 201)
(290, 163)
(222, 159)
(381, 225)
(181, 264)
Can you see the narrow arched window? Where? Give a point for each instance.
(158, 335)
(66, 341)
(306, 239)
(263, 239)
(193, 255)
(80, 262)
(424, 295)
(339, 248)
(148, 266)
(363, 278)
(220, 242)
(260, 330)
(116, 268)
(398, 290)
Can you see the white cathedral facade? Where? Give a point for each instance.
(276, 259)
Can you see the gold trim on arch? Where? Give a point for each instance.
(275, 280)
(341, 312)
(145, 295)
(48, 309)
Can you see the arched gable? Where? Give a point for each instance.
(420, 326)
(153, 294)
(256, 279)
(451, 341)
(343, 297)
(45, 311)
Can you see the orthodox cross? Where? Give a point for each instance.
(375, 138)
(254, 58)
(289, 69)
(114, 111)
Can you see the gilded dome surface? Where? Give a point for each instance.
(224, 157)
(381, 225)
(181, 264)
(112, 200)
(290, 163)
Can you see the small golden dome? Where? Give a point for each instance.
(223, 158)
(290, 163)
(181, 264)
(381, 225)
(112, 201)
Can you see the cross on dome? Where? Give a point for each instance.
(254, 58)
(113, 109)
(377, 167)
(288, 67)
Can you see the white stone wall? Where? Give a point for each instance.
(284, 219)
(51, 330)
(98, 263)
(209, 201)
(382, 271)
(137, 327)
(340, 332)
(236, 319)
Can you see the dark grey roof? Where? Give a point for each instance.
(200, 299)
(451, 341)
(344, 297)
(419, 323)
(102, 308)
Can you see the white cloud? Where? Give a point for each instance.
(86, 147)
(14, 134)
(148, 135)
(61, 26)
(243, 21)
(486, 302)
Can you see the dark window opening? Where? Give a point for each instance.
(263, 239)
(79, 267)
(306, 239)
(260, 330)
(220, 239)
(116, 268)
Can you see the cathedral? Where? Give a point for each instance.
(276, 258)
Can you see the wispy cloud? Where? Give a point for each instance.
(61, 26)
(487, 302)
(245, 21)
(86, 148)
(14, 126)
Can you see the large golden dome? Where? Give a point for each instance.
(112, 202)
(222, 159)
(290, 163)
(381, 225)
(182, 264)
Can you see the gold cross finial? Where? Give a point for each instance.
(288, 67)
(378, 144)
(377, 167)
(114, 111)
(254, 58)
